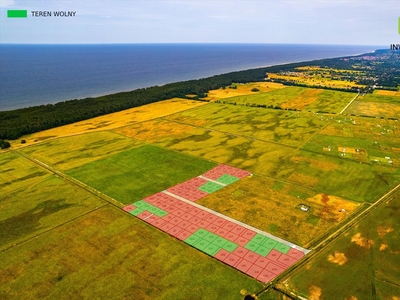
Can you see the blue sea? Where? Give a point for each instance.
(40, 74)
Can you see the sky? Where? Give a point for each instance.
(345, 22)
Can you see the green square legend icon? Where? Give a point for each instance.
(17, 13)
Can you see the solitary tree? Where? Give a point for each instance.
(4, 144)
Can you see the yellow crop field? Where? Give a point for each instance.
(328, 70)
(239, 151)
(375, 109)
(315, 163)
(72, 151)
(34, 201)
(309, 68)
(304, 99)
(279, 126)
(314, 80)
(111, 121)
(367, 253)
(243, 89)
(109, 254)
(273, 206)
(334, 208)
(154, 130)
(387, 93)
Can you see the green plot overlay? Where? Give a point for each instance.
(17, 13)
(209, 242)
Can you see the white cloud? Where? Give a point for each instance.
(7, 3)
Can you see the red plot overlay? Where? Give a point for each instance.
(247, 249)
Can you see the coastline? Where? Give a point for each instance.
(165, 77)
(240, 70)
(236, 70)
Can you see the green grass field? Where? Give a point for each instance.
(246, 153)
(275, 97)
(69, 152)
(297, 98)
(279, 126)
(34, 201)
(363, 263)
(133, 174)
(271, 294)
(108, 254)
(252, 155)
(366, 147)
(382, 134)
(331, 101)
(337, 176)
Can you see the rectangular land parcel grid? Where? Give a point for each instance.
(247, 249)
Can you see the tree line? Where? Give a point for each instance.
(18, 122)
(256, 105)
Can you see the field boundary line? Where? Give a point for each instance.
(301, 147)
(304, 250)
(317, 240)
(299, 185)
(332, 237)
(57, 226)
(74, 181)
(218, 162)
(231, 134)
(386, 281)
(159, 117)
(341, 112)
(361, 215)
